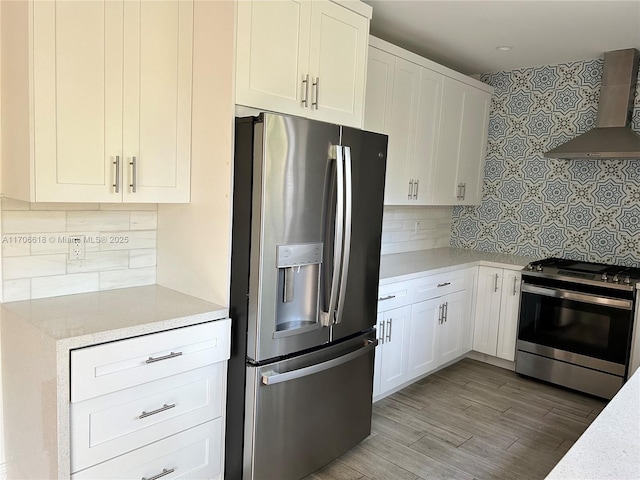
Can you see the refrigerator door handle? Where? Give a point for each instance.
(327, 318)
(272, 378)
(346, 249)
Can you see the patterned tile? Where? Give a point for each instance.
(584, 209)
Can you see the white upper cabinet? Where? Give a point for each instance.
(305, 58)
(437, 123)
(108, 118)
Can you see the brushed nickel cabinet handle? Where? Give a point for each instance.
(388, 297)
(134, 174)
(305, 84)
(160, 475)
(382, 331)
(496, 286)
(163, 408)
(415, 189)
(444, 284)
(164, 357)
(116, 184)
(316, 86)
(390, 324)
(445, 311)
(410, 189)
(440, 310)
(515, 285)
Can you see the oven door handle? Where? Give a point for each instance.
(271, 377)
(579, 297)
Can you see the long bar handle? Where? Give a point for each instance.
(163, 408)
(134, 174)
(160, 475)
(346, 250)
(579, 297)
(382, 331)
(497, 279)
(316, 86)
(415, 189)
(464, 191)
(445, 311)
(305, 84)
(388, 297)
(164, 357)
(390, 322)
(116, 184)
(272, 378)
(410, 189)
(440, 316)
(327, 318)
(515, 285)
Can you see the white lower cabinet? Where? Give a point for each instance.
(151, 406)
(422, 324)
(496, 312)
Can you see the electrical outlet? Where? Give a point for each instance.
(76, 247)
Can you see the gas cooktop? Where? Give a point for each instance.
(601, 274)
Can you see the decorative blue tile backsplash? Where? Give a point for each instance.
(582, 209)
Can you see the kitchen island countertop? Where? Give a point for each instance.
(610, 447)
(405, 266)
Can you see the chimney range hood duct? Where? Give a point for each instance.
(612, 137)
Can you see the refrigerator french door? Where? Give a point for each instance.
(307, 223)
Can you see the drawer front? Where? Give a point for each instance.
(110, 425)
(395, 295)
(435, 286)
(118, 365)
(192, 454)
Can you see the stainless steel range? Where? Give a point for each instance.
(576, 323)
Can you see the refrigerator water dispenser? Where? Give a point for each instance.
(298, 288)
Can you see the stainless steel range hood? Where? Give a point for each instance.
(612, 137)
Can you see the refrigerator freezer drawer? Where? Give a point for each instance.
(304, 412)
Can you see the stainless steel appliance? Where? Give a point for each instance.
(307, 222)
(575, 324)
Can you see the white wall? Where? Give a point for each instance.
(194, 239)
(400, 233)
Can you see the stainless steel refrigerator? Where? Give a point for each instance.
(307, 220)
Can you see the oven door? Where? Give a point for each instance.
(588, 327)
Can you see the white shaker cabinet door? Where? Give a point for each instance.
(487, 315)
(450, 331)
(77, 82)
(422, 337)
(158, 46)
(473, 146)
(395, 348)
(445, 172)
(272, 55)
(379, 96)
(509, 310)
(337, 64)
(428, 124)
(399, 185)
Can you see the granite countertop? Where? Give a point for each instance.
(405, 266)
(610, 447)
(89, 318)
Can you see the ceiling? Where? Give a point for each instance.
(463, 34)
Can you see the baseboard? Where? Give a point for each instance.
(495, 361)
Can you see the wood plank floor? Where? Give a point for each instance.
(468, 421)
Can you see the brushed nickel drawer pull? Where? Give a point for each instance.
(161, 409)
(388, 297)
(164, 357)
(160, 475)
(444, 284)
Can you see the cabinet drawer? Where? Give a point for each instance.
(110, 425)
(191, 454)
(117, 365)
(441, 284)
(395, 295)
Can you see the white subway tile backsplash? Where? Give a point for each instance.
(145, 257)
(98, 221)
(16, 290)
(406, 229)
(133, 277)
(120, 247)
(129, 240)
(99, 262)
(143, 220)
(33, 266)
(64, 285)
(32, 222)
